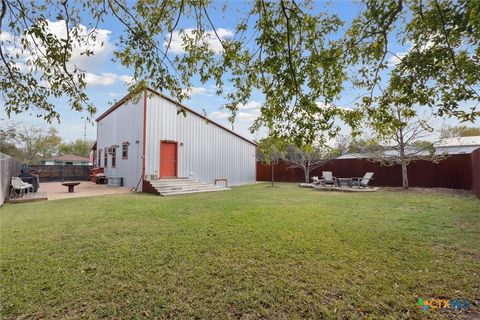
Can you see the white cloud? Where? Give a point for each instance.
(397, 58)
(177, 43)
(125, 78)
(243, 120)
(247, 113)
(219, 115)
(242, 116)
(250, 105)
(193, 91)
(6, 36)
(323, 105)
(105, 79)
(246, 116)
(97, 41)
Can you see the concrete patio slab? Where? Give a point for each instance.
(346, 189)
(55, 190)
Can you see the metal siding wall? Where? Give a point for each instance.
(124, 124)
(208, 151)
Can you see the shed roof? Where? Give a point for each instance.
(68, 157)
(129, 95)
(460, 141)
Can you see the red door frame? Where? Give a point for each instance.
(176, 158)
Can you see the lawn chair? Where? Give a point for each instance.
(18, 184)
(328, 178)
(363, 181)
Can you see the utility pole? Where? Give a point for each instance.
(85, 131)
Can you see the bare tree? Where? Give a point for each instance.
(307, 158)
(403, 137)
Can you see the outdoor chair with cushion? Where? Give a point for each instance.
(18, 184)
(362, 182)
(328, 178)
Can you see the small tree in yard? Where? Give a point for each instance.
(403, 136)
(307, 158)
(271, 151)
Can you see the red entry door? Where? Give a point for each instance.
(168, 159)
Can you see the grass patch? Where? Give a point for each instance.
(253, 252)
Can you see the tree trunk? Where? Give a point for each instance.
(403, 156)
(306, 170)
(272, 165)
(404, 174)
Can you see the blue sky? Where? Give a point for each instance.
(106, 79)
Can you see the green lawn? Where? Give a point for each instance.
(253, 252)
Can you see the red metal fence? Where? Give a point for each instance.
(461, 171)
(476, 172)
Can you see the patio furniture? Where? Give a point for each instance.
(30, 178)
(18, 184)
(221, 180)
(328, 178)
(316, 180)
(362, 182)
(71, 186)
(344, 182)
(100, 178)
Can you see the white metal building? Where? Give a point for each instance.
(458, 145)
(145, 138)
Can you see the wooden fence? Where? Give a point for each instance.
(9, 167)
(460, 171)
(476, 172)
(61, 173)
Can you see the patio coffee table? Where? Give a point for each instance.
(70, 185)
(344, 181)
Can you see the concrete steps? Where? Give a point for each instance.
(170, 187)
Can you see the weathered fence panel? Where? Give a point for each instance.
(453, 172)
(61, 173)
(9, 167)
(476, 172)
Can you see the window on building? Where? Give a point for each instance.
(125, 150)
(114, 156)
(105, 157)
(99, 160)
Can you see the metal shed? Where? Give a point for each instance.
(145, 138)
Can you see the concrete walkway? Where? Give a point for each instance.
(55, 190)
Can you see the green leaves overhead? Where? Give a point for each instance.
(297, 68)
(35, 62)
(298, 57)
(441, 68)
